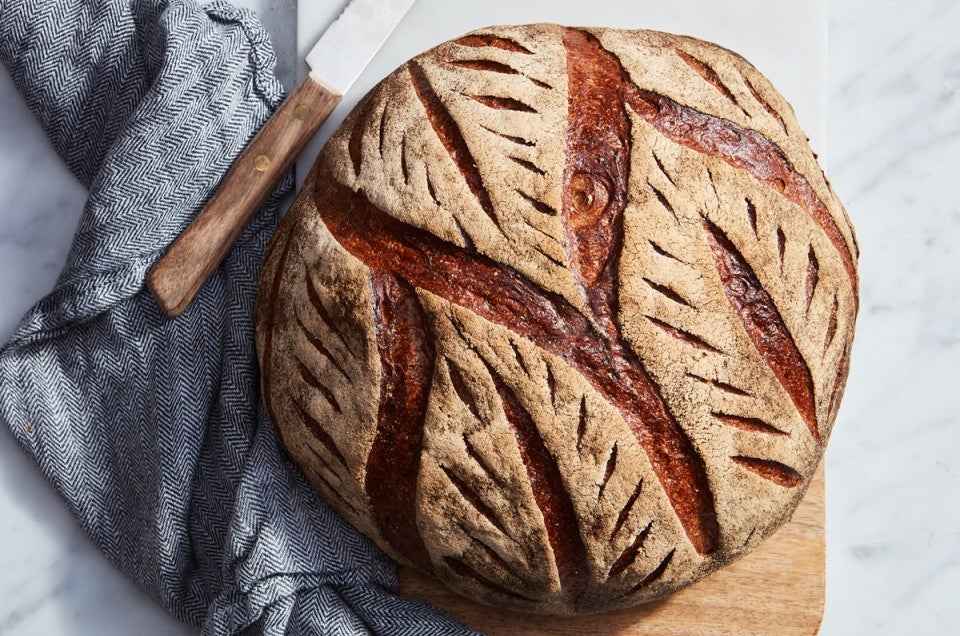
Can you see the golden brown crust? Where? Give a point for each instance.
(563, 316)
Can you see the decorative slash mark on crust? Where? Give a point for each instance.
(595, 183)
(668, 292)
(474, 499)
(537, 204)
(686, 336)
(608, 471)
(490, 552)
(403, 159)
(464, 570)
(267, 371)
(708, 73)
(625, 513)
(517, 140)
(752, 216)
(337, 492)
(321, 349)
(462, 391)
(629, 555)
(831, 325)
(314, 297)
(407, 360)
(813, 275)
(484, 466)
(503, 103)
(431, 190)
(778, 473)
(551, 384)
(382, 131)
(663, 170)
(582, 420)
(781, 246)
(553, 260)
(355, 145)
(713, 185)
(766, 105)
(494, 556)
(763, 324)
(751, 424)
(478, 40)
(662, 252)
(516, 354)
(485, 65)
(559, 516)
(450, 136)
(317, 385)
(495, 67)
(529, 165)
(840, 382)
(653, 576)
(663, 200)
(319, 434)
(542, 233)
(723, 386)
(326, 464)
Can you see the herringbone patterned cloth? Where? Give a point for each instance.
(152, 429)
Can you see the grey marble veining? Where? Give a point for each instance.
(893, 477)
(893, 522)
(280, 19)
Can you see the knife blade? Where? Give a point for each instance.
(337, 59)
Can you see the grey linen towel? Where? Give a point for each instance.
(153, 429)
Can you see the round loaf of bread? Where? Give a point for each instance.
(562, 316)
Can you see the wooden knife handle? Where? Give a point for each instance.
(182, 271)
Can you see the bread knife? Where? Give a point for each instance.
(335, 62)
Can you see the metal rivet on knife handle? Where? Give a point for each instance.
(345, 49)
(178, 276)
(302, 111)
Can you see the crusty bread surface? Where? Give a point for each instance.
(562, 316)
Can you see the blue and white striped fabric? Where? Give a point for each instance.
(153, 429)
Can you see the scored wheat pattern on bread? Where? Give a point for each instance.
(562, 316)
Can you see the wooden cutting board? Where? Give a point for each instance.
(776, 589)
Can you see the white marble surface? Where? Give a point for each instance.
(893, 525)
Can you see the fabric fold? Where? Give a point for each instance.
(152, 429)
